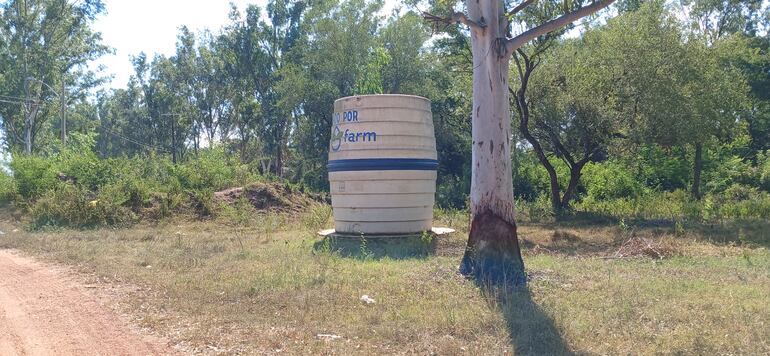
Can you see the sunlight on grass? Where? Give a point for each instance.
(276, 287)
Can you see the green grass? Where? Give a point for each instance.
(273, 285)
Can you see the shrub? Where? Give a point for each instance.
(88, 170)
(604, 181)
(530, 179)
(739, 202)
(659, 168)
(452, 193)
(728, 172)
(7, 187)
(34, 175)
(763, 166)
(537, 210)
(212, 169)
(72, 206)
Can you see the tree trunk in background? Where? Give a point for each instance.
(279, 161)
(574, 179)
(29, 125)
(522, 107)
(697, 168)
(173, 139)
(62, 113)
(493, 252)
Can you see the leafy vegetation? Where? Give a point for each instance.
(641, 144)
(613, 115)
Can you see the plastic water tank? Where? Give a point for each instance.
(382, 164)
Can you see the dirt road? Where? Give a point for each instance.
(44, 310)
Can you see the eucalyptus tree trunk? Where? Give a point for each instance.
(493, 254)
(493, 246)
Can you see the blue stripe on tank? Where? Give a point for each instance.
(382, 164)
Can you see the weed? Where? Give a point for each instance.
(427, 237)
(317, 217)
(679, 228)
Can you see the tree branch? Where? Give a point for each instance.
(441, 23)
(520, 40)
(518, 8)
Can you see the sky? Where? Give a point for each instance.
(129, 28)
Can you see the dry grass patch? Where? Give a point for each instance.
(270, 285)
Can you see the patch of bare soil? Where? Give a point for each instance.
(44, 310)
(274, 197)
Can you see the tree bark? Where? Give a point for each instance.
(173, 138)
(574, 179)
(523, 109)
(493, 254)
(697, 168)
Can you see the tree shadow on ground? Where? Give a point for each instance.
(397, 248)
(745, 232)
(578, 219)
(532, 331)
(566, 243)
(750, 232)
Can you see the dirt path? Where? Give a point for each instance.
(46, 311)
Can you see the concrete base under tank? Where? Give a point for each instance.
(435, 231)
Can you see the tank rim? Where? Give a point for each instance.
(383, 95)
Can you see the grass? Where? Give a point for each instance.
(272, 286)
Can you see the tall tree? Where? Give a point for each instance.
(327, 64)
(560, 120)
(46, 45)
(493, 249)
(711, 21)
(565, 112)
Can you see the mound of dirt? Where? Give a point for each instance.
(275, 197)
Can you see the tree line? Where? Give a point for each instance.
(674, 95)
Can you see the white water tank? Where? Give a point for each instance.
(382, 164)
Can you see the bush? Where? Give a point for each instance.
(763, 167)
(7, 187)
(728, 172)
(212, 169)
(530, 179)
(739, 202)
(663, 169)
(34, 175)
(72, 206)
(113, 191)
(605, 181)
(537, 210)
(452, 193)
(88, 170)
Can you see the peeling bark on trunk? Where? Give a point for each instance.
(493, 252)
